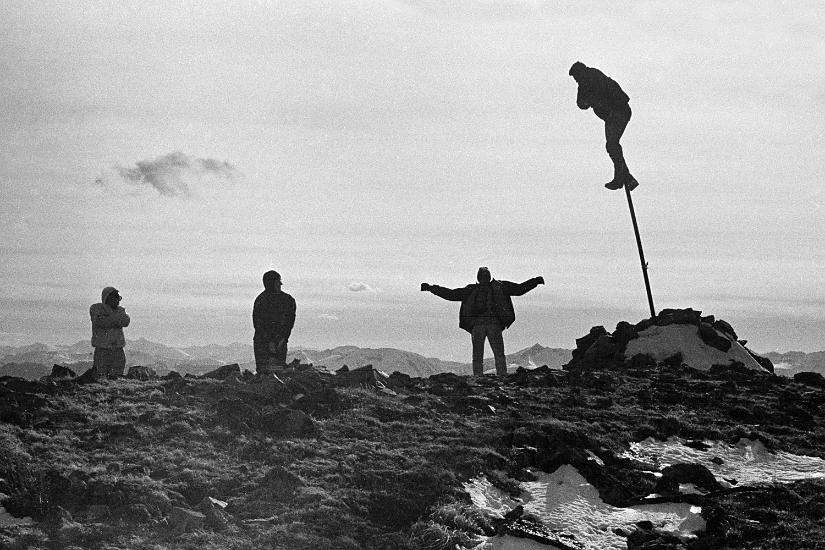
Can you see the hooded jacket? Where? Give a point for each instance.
(502, 304)
(108, 323)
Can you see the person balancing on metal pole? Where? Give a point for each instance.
(612, 105)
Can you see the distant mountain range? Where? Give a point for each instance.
(788, 364)
(36, 360)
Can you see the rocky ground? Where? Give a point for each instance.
(357, 460)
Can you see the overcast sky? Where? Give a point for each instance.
(361, 148)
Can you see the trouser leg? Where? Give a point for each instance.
(478, 335)
(614, 127)
(262, 354)
(280, 352)
(118, 363)
(109, 363)
(496, 339)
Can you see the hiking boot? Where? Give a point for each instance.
(614, 185)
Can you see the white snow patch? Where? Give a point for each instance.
(565, 501)
(489, 498)
(663, 342)
(748, 462)
(512, 543)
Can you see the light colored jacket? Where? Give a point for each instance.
(108, 323)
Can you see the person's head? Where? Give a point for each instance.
(110, 296)
(483, 275)
(272, 280)
(576, 69)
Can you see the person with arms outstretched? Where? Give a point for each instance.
(612, 105)
(486, 311)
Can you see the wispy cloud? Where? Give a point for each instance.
(359, 287)
(328, 317)
(477, 8)
(172, 175)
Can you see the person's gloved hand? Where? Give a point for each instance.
(540, 280)
(425, 287)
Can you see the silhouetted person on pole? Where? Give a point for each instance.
(612, 105)
(273, 316)
(108, 320)
(486, 310)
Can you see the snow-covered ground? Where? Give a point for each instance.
(748, 462)
(565, 501)
(663, 342)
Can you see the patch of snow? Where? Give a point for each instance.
(748, 462)
(663, 342)
(489, 498)
(565, 501)
(512, 543)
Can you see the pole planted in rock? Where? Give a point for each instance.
(641, 252)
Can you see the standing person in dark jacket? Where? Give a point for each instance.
(273, 316)
(612, 105)
(486, 310)
(108, 321)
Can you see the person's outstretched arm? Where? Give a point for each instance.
(518, 289)
(451, 294)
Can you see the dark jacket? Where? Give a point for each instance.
(273, 316)
(502, 304)
(601, 92)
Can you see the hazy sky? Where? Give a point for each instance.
(360, 148)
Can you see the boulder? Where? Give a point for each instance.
(183, 520)
(366, 376)
(224, 372)
(678, 317)
(766, 363)
(88, 377)
(399, 380)
(59, 371)
(215, 511)
(724, 326)
(603, 347)
(268, 386)
(624, 333)
(172, 375)
(139, 372)
(584, 343)
(696, 474)
(288, 422)
(810, 379)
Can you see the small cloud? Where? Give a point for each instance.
(328, 317)
(475, 9)
(172, 175)
(359, 287)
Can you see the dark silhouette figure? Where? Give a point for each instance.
(273, 316)
(486, 310)
(612, 105)
(108, 320)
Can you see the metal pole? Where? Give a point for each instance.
(641, 252)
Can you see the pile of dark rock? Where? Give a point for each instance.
(602, 348)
